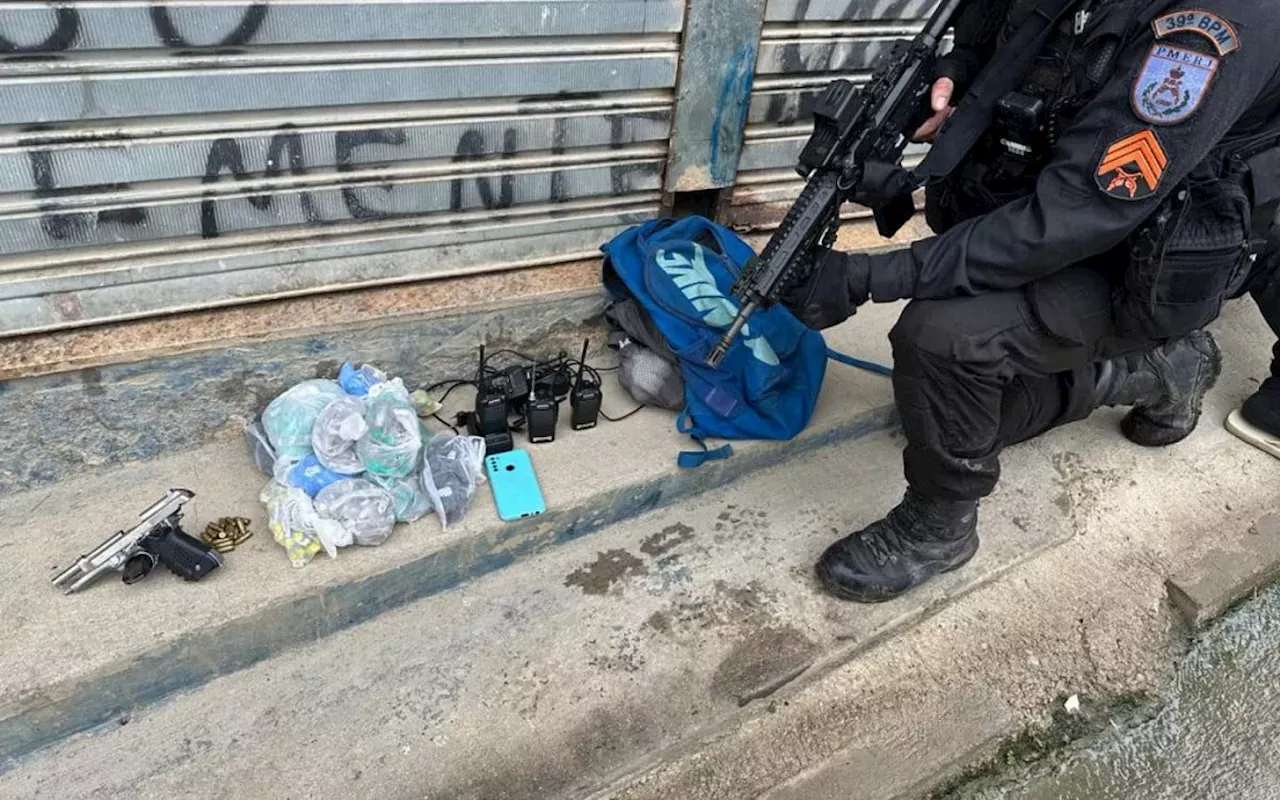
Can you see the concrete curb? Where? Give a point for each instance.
(200, 657)
(1205, 590)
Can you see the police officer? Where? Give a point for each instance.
(1099, 224)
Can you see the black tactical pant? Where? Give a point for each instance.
(974, 374)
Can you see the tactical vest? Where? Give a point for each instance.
(1172, 274)
(1070, 70)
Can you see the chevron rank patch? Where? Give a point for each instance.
(1218, 31)
(1132, 168)
(1172, 84)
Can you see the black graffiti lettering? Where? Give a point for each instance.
(66, 29)
(250, 21)
(791, 63)
(283, 152)
(131, 215)
(224, 154)
(56, 225)
(471, 148)
(62, 227)
(288, 142)
(620, 174)
(344, 146)
(900, 9)
(74, 225)
(558, 192)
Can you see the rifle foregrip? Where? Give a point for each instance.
(185, 556)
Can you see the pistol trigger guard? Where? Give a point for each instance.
(137, 567)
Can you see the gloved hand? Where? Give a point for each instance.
(837, 286)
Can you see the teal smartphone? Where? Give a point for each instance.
(515, 486)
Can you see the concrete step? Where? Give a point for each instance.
(550, 677)
(681, 653)
(74, 662)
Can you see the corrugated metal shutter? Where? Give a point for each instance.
(806, 44)
(162, 155)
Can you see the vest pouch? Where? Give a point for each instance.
(1264, 185)
(1185, 263)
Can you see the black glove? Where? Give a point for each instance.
(833, 291)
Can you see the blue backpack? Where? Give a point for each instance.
(680, 272)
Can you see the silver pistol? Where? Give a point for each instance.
(155, 537)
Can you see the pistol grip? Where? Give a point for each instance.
(185, 556)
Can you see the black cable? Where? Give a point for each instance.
(453, 383)
(445, 422)
(445, 396)
(632, 412)
(533, 360)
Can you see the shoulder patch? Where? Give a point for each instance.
(1211, 26)
(1172, 84)
(1131, 168)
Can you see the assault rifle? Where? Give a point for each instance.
(858, 139)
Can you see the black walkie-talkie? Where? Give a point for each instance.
(585, 398)
(541, 413)
(490, 419)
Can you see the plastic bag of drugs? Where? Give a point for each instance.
(391, 446)
(411, 498)
(453, 466)
(338, 427)
(296, 526)
(366, 511)
(290, 417)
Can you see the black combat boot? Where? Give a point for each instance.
(1165, 387)
(920, 538)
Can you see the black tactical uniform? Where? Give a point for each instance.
(1099, 224)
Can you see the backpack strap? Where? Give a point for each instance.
(869, 366)
(692, 459)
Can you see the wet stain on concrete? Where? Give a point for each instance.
(666, 539)
(609, 568)
(738, 522)
(725, 605)
(762, 663)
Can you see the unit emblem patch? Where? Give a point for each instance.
(1172, 84)
(1210, 26)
